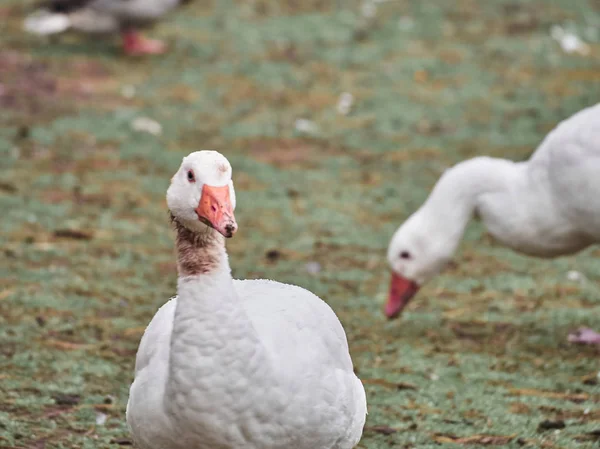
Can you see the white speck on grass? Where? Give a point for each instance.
(305, 126)
(100, 419)
(575, 276)
(147, 125)
(313, 267)
(569, 41)
(345, 103)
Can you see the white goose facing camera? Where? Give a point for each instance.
(230, 364)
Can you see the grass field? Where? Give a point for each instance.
(479, 359)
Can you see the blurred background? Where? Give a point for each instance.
(337, 117)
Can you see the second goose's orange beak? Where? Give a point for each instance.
(216, 211)
(401, 292)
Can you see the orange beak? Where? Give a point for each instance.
(401, 292)
(216, 211)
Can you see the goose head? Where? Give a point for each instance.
(201, 193)
(418, 251)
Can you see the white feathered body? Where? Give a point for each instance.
(302, 393)
(550, 204)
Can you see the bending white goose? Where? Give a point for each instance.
(547, 206)
(230, 364)
(104, 16)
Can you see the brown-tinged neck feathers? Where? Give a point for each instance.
(198, 253)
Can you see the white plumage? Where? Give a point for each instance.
(251, 364)
(547, 206)
(103, 16)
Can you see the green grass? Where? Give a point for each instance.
(482, 351)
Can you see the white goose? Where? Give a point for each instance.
(547, 206)
(104, 16)
(230, 364)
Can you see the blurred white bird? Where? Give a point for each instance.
(104, 16)
(547, 206)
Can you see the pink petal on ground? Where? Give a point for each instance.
(585, 335)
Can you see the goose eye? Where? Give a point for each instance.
(190, 176)
(405, 255)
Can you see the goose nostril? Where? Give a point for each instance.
(230, 229)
